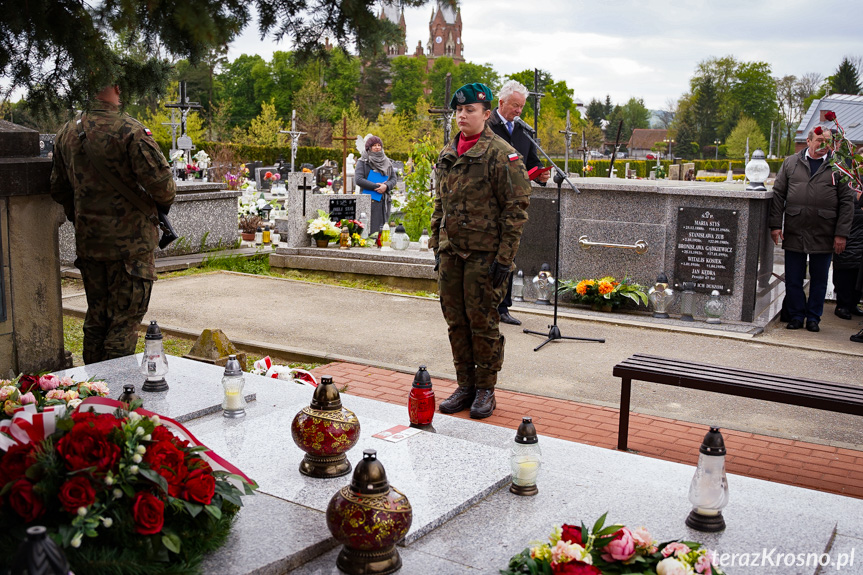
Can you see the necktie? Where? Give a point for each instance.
(509, 127)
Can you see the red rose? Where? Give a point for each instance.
(88, 443)
(200, 487)
(25, 502)
(817, 131)
(161, 433)
(575, 568)
(15, 463)
(571, 534)
(75, 493)
(830, 116)
(28, 382)
(167, 460)
(149, 514)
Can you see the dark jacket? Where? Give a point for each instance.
(852, 257)
(517, 140)
(481, 199)
(816, 208)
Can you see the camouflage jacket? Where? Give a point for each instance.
(481, 199)
(107, 225)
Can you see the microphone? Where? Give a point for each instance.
(524, 125)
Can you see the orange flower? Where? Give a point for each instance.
(605, 287)
(582, 286)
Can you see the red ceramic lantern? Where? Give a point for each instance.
(421, 400)
(369, 517)
(325, 431)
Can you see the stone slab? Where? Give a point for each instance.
(194, 388)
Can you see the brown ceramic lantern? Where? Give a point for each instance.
(369, 517)
(325, 431)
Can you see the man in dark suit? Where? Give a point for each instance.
(511, 100)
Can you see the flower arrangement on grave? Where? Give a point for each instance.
(587, 169)
(612, 549)
(178, 156)
(120, 491)
(844, 161)
(239, 179)
(605, 291)
(46, 391)
(249, 224)
(322, 228)
(267, 368)
(357, 241)
(202, 159)
(354, 226)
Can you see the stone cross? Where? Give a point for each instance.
(295, 136)
(174, 125)
(184, 105)
(445, 112)
(344, 140)
(537, 96)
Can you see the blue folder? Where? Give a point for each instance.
(376, 178)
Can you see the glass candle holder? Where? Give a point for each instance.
(233, 403)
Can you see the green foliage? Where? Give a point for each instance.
(409, 80)
(846, 80)
(420, 197)
(746, 128)
(265, 129)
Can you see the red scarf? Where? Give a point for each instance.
(466, 143)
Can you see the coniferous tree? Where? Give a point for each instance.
(846, 80)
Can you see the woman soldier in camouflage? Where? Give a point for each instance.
(481, 198)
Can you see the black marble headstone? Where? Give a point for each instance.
(706, 248)
(343, 209)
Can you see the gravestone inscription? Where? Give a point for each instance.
(343, 209)
(706, 249)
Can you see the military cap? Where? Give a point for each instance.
(471, 94)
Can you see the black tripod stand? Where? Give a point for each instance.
(553, 330)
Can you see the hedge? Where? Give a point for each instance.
(270, 154)
(642, 168)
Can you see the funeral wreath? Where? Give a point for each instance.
(120, 491)
(46, 391)
(610, 550)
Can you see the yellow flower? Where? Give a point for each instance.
(605, 287)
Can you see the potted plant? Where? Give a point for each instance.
(322, 229)
(604, 294)
(249, 225)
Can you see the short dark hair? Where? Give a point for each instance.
(486, 105)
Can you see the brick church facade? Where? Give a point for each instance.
(444, 34)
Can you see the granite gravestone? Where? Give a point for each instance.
(706, 249)
(46, 145)
(328, 171)
(263, 183)
(343, 209)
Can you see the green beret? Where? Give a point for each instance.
(471, 94)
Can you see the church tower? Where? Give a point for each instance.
(445, 34)
(391, 11)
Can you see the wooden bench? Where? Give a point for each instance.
(731, 381)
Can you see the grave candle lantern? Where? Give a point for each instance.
(525, 459)
(757, 171)
(128, 394)
(325, 431)
(364, 220)
(265, 211)
(369, 517)
(424, 241)
(543, 284)
(714, 308)
(39, 555)
(421, 403)
(154, 364)
(400, 240)
(518, 286)
(687, 302)
(708, 491)
(661, 296)
(345, 238)
(233, 404)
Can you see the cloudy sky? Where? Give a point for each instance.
(641, 48)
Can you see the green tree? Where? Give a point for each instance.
(420, 197)
(341, 77)
(468, 72)
(372, 91)
(265, 129)
(246, 82)
(745, 128)
(595, 112)
(526, 78)
(705, 112)
(314, 110)
(846, 80)
(409, 81)
(754, 93)
(437, 79)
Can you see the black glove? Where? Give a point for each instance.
(498, 273)
(436, 261)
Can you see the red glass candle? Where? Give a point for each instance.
(421, 405)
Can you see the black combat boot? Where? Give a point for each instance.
(484, 404)
(460, 400)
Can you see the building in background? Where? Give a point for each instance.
(849, 113)
(444, 33)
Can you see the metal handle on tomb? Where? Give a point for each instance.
(640, 246)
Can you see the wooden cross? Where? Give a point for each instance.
(304, 188)
(583, 149)
(537, 96)
(445, 112)
(345, 139)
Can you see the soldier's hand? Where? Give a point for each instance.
(498, 273)
(436, 261)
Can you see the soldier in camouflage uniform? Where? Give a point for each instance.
(114, 239)
(481, 205)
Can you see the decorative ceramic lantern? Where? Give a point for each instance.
(128, 395)
(325, 431)
(661, 296)
(708, 491)
(154, 364)
(525, 459)
(714, 308)
(518, 286)
(39, 555)
(687, 302)
(421, 403)
(757, 171)
(400, 240)
(543, 285)
(234, 403)
(369, 517)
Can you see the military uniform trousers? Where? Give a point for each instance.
(469, 304)
(116, 304)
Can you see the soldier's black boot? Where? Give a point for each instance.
(460, 400)
(484, 404)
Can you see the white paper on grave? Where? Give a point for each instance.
(397, 433)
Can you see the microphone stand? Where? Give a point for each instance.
(559, 177)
